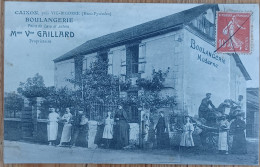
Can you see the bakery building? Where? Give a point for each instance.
(183, 42)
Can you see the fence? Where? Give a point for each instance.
(99, 111)
(12, 113)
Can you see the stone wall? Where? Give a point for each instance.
(64, 70)
(12, 129)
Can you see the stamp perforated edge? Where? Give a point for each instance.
(251, 34)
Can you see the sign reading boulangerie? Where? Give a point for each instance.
(126, 83)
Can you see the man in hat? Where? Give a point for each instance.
(236, 106)
(223, 107)
(237, 129)
(204, 106)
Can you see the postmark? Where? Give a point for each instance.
(233, 33)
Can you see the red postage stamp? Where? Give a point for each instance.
(233, 32)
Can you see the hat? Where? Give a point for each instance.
(242, 114)
(222, 117)
(80, 109)
(238, 109)
(226, 101)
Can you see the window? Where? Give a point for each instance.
(204, 25)
(132, 59)
(104, 56)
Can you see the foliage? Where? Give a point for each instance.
(59, 98)
(33, 87)
(124, 86)
(13, 103)
(149, 93)
(97, 85)
(154, 84)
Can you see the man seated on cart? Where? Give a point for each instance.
(204, 109)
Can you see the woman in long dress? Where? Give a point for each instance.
(237, 129)
(66, 132)
(108, 129)
(52, 127)
(223, 135)
(186, 136)
(121, 133)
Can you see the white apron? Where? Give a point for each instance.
(66, 131)
(52, 127)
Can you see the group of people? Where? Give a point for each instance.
(113, 131)
(115, 127)
(231, 125)
(74, 130)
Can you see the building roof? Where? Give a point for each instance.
(241, 66)
(151, 28)
(252, 98)
(142, 31)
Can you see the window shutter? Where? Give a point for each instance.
(123, 62)
(84, 65)
(110, 62)
(142, 58)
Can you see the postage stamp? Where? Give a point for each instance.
(233, 32)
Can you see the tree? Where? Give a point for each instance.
(60, 99)
(96, 85)
(33, 87)
(149, 92)
(13, 103)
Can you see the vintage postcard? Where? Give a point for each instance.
(131, 83)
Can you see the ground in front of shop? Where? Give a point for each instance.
(22, 152)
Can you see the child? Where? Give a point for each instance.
(108, 129)
(186, 137)
(223, 135)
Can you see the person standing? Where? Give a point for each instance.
(222, 108)
(186, 136)
(236, 106)
(100, 129)
(223, 135)
(66, 131)
(52, 126)
(240, 102)
(237, 129)
(160, 130)
(80, 129)
(121, 135)
(204, 107)
(108, 129)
